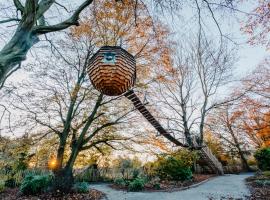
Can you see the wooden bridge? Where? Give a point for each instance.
(204, 151)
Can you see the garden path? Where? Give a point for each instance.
(221, 187)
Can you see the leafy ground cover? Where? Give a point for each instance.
(259, 186)
(14, 194)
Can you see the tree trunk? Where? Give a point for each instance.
(244, 160)
(60, 155)
(240, 152)
(64, 176)
(185, 124)
(16, 49)
(188, 138)
(63, 180)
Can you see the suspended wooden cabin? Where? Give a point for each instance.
(112, 70)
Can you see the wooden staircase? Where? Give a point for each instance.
(209, 158)
(204, 151)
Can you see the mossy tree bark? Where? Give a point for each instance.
(31, 26)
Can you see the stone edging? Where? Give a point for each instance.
(189, 187)
(183, 188)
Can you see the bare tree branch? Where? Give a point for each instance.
(73, 20)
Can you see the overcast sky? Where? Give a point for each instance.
(184, 24)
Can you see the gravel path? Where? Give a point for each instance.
(216, 188)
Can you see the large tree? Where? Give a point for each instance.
(225, 123)
(189, 91)
(61, 101)
(255, 104)
(243, 124)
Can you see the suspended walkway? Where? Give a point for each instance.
(204, 151)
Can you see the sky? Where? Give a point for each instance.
(230, 24)
(183, 22)
(248, 56)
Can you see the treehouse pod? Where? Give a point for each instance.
(112, 70)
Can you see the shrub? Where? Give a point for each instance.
(266, 173)
(129, 168)
(263, 182)
(2, 186)
(10, 183)
(120, 182)
(135, 173)
(88, 175)
(81, 187)
(136, 185)
(176, 166)
(172, 168)
(187, 157)
(13, 179)
(263, 158)
(21, 163)
(251, 162)
(35, 184)
(157, 186)
(34, 172)
(149, 169)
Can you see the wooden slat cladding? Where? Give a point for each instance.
(149, 117)
(113, 78)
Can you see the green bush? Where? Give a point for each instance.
(263, 158)
(176, 166)
(157, 186)
(21, 163)
(13, 179)
(136, 185)
(135, 173)
(10, 183)
(266, 173)
(129, 168)
(187, 157)
(171, 168)
(251, 162)
(263, 182)
(2, 186)
(34, 172)
(86, 175)
(35, 184)
(120, 182)
(81, 187)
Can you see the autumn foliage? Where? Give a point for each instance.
(129, 25)
(257, 25)
(255, 105)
